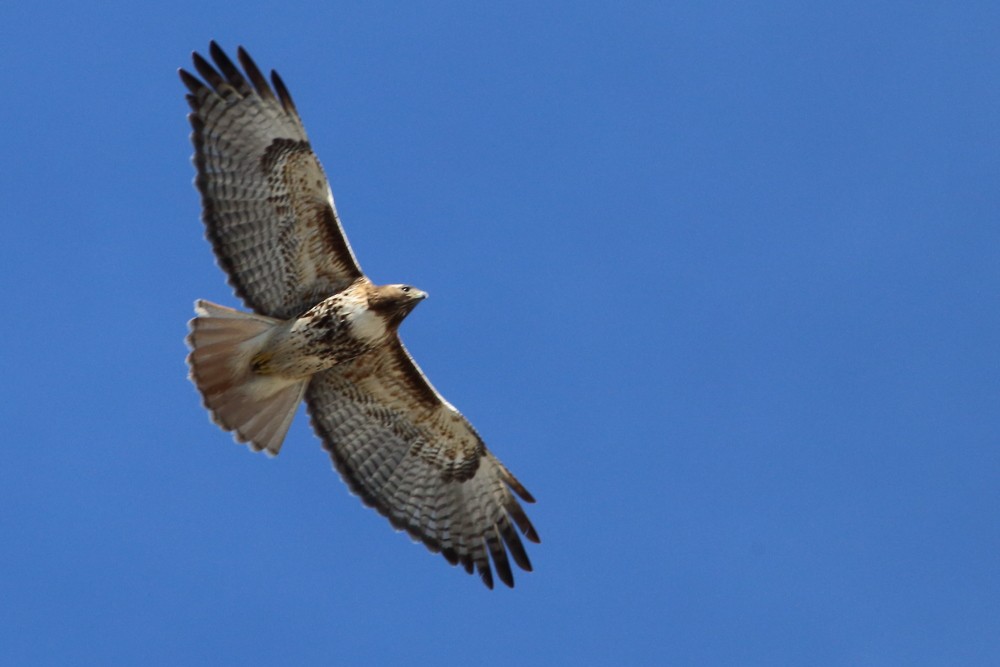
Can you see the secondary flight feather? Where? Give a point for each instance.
(322, 331)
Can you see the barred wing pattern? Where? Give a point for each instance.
(397, 443)
(268, 210)
(413, 457)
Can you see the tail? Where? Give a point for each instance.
(257, 408)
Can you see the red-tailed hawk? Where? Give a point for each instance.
(321, 330)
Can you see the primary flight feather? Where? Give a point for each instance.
(321, 330)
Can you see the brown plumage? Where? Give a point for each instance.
(321, 330)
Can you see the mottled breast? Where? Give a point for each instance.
(344, 325)
(335, 330)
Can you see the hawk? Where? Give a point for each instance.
(322, 331)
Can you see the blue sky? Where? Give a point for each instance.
(717, 281)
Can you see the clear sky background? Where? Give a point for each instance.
(718, 281)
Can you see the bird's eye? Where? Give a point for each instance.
(405, 288)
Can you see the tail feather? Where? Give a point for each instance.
(259, 409)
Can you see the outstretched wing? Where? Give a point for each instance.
(267, 206)
(413, 457)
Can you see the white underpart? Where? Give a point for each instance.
(365, 325)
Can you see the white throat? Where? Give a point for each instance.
(364, 324)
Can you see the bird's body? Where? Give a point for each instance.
(322, 331)
(336, 329)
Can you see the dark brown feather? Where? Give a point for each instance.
(274, 231)
(259, 82)
(230, 71)
(207, 72)
(398, 444)
(193, 84)
(283, 94)
(380, 431)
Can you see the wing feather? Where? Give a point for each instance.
(268, 210)
(415, 459)
(273, 225)
(259, 82)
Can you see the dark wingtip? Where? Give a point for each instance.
(283, 95)
(519, 489)
(190, 81)
(516, 513)
(216, 51)
(253, 72)
(486, 574)
(229, 70)
(506, 576)
(514, 544)
(207, 72)
(500, 562)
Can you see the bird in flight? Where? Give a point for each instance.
(321, 330)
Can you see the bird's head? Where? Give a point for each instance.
(395, 301)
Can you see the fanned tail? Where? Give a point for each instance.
(258, 408)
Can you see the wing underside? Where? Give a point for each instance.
(267, 207)
(397, 443)
(412, 456)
